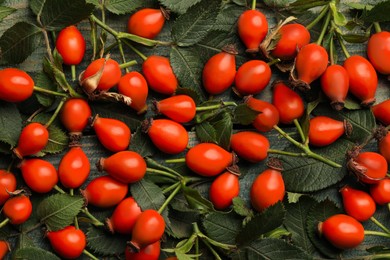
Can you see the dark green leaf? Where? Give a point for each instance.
(277, 3)
(36, 6)
(222, 227)
(206, 133)
(223, 125)
(193, 26)
(126, 6)
(105, 243)
(5, 11)
(189, 92)
(359, 6)
(57, 14)
(244, 115)
(355, 38)
(331, 194)
(182, 223)
(196, 201)
(379, 13)
(148, 195)
(58, 140)
(43, 81)
(271, 248)
(320, 212)
(227, 18)
(10, 123)
(33, 253)
(262, 223)
(351, 104)
(19, 41)
(140, 143)
(241, 208)
(178, 6)
(300, 6)
(240, 2)
(59, 210)
(296, 222)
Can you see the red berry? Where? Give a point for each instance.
(39, 175)
(223, 190)
(150, 252)
(75, 115)
(252, 29)
(71, 45)
(18, 209)
(180, 108)
(252, 77)
(374, 165)
(358, 204)
(289, 104)
(311, 62)
(74, 168)
(7, 184)
(380, 191)
(268, 116)
(250, 146)
(15, 85)
(68, 242)
(378, 51)
(382, 111)
(335, 85)
(33, 138)
(146, 23)
(324, 130)
(111, 74)
(384, 147)
(134, 85)
(124, 216)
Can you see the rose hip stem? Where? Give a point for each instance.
(253, 4)
(319, 17)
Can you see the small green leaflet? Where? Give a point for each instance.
(379, 13)
(10, 124)
(105, 243)
(222, 227)
(33, 253)
(178, 6)
(126, 6)
(36, 6)
(5, 11)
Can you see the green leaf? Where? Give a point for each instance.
(126, 6)
(338, 17)
(58, 140)
(43, 81)
(10, 123)
(33, 253)
(59, 210)
(355, 38)
(240, 2)
(182, 223)
(36, 6)
(57, 14)
(300, 6)
(320, 212)
(227, 18)
(5, 11)
(277, 3)
(223, 125)
(271, 248)
(352, 104)
(189, 92)
(306, 174)
(148, 195)
(19, 41)
(105, 243)
(193, 26)
(262, 223)
(331, 194)
(196, 201)
(245, 115)
(187, 66)
(141, 143)
(222, 227)
(179, 6)
(296, 222)
(206, 133)
(379, 13)
(241, 208)
(359, 6)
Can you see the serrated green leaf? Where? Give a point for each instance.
(182, 226)
(19, 41)
(33, 253)
(296, 223)
(58, 140)
(196, 201)
(241, 208)
(320, 212)
(43, 81)
(355, 38)
(222, 227)
(227, 18)
(179, 6)
(148, 195)
(331, 194)
(351, 104)
(126, 6)
(262, 223)
(245, 115)
(206, 133)
(189, 92)
(193, 26)
(105, 243)
(59, 210)
(300, 6)
(10, 123)
(36, 6)
(379, 13)
(141, 144)
(5, 11)
(57, 14)
(271, 248)
(223, 125)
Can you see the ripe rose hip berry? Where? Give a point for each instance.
(147, 22)
(7, 185)
(335, 85)
(324, 130)
(250, 146)
(75, 114)
(382, 111)
(71, 45)
(380, 191)
(124, 216)
(111, 74)
(268, 116)
(378, 51)
(179, 108)
(252, 77)
(369, 167)
(357, 204)
(384, 147)
(18, 209)
(68, 242)
(252, 29)
(4, 248)
(150, 252)
(39, 175)
(15, 85)
(289, 104)
(134, 85)
(33, 138)
(224, 189)
(74, 168)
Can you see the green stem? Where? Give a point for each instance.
(104, 26)
(273, 151)
(128, 64)
(197, 248)
(53, 36)
(71, 192)
(379, 224)
(170, 188)
(342, 45)
(222, 104)
(331, 51)
(253, 4)
(274, 61)
(178, 160)
(215, 254)
(135, 50)
(110, 47)
(93, 35)
(47, 43)
(324, 28)
(4, 222)
(120, 46)
(169, 199)
(376, 233)
(49, 92)
(377, 27)
(59, 189)
(163, 173)
(380, 256)
(91, 256)
(319, 17)
(300, 131)
(94, 220)
(73, 70)
(56, 112)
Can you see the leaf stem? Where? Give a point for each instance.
(49, 92)
(128, 64)
(300, 131)
(197, 248)
(253, 4)
(91, 256)
(273, 151)
(222, 104)
(324, 28)
(178, 160)
(379, 224)
(58, 189)
(135, 50)
(94, 220)
(47, 43)
(4, 222)
(212, 250)
(93, 36)
(120, 46)
(172, 187)
(318, 18)
(56, 112)
(342, 45)
(103, 25)
(163, 173)
(376, 233)
(73, 70)
(169, 199)
(377, 27)
(274, 61)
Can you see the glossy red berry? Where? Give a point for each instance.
(7, 184)
(374, 165)
(311, 62)
(214, 159)
(380, 191)
(134, 85)
(33, 138)
(111, 74)
(18, 209)
(124, 216)
(292, 38)
(250, 146)
(113, 134)
(105, 192)
(224, 189)
(324, 130)
(268, 116)
(384, 147)
(267, 189)
(358, 204)
(219, 72)
(4, 248)
(180, 108)
(124, 166)
(378, 51)
(39, 175)
(342, 231)
(252, 29)
(146, 23)
(75, 115)
(71, 45)
(150, 252)
(15, 85)
(159, 75)
(252, 77)
(168, 136)
(68, 243)
(363, 79)
(289, 104)
(382, 111)
(74, 168)
(335, 85)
